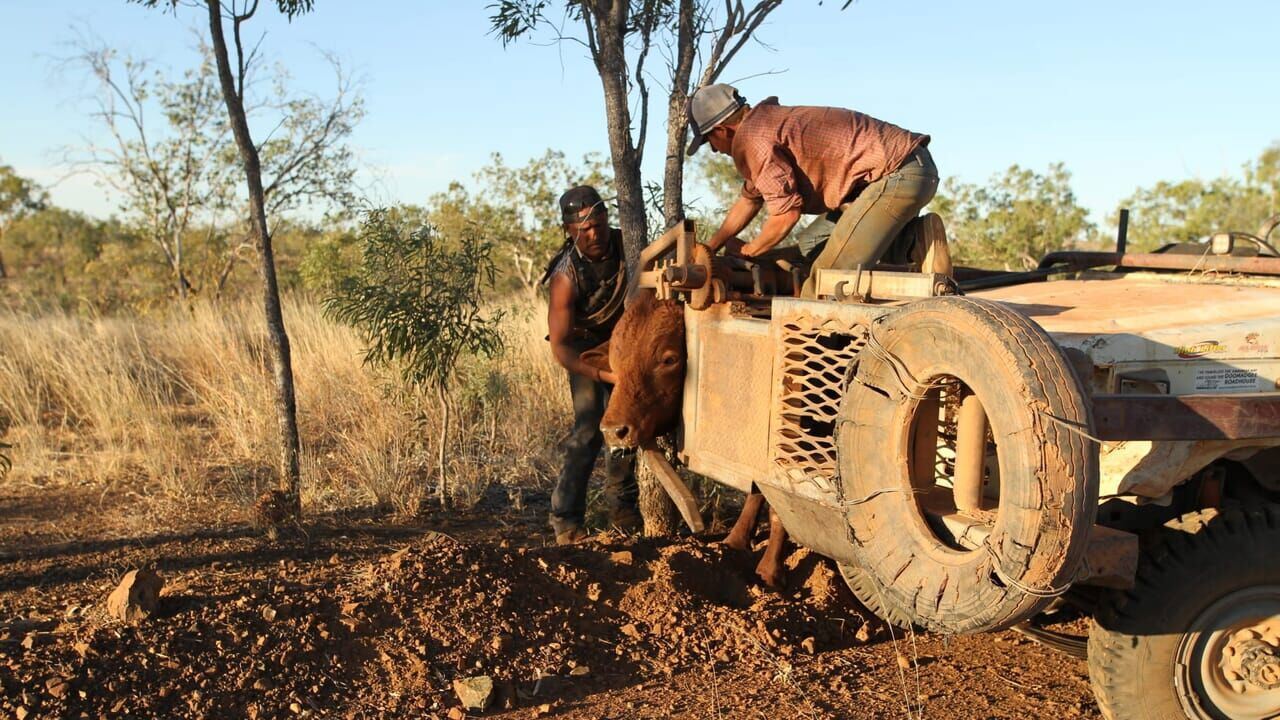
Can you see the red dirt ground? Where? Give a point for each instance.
(361, 616)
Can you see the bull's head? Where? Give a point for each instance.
(647, 355)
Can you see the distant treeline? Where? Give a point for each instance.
(55, 257)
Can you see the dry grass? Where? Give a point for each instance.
(182, 402)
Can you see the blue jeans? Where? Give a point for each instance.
(569, 499)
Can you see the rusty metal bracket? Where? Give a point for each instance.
(676, 265)
(842, 295)
(1187, 417)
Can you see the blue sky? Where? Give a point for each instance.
(1123, 93)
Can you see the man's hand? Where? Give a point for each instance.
(733, 247)
(775, 229)
(740, 215)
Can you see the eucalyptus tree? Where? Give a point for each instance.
(699, 38)
(416, 298)
(1193, 208)
(18, 197)
(1015, 218)
(285, 502)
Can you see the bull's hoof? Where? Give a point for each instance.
(571, 536)
(772, 577)
(741, 543)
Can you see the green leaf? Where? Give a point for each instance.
(416, 297)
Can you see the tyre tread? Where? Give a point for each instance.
(1176, 557)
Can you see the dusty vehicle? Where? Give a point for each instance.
(1100, 436)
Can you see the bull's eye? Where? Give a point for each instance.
(669, 360)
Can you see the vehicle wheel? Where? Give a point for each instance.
(953, 551)
(1198, 636)
(868, 593)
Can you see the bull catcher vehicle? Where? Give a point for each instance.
(1097, 436)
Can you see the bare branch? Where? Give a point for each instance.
(239, 19)
(744, 30)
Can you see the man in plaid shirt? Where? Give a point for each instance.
(865, 178)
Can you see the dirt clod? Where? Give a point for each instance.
(56, 686)
(136, 597)
(474, 692)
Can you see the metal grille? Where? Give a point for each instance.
(813, 357)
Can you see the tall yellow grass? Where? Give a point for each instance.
(182, 401)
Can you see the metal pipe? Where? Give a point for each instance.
(924, 449)
(684, 246)
(656, 249)
(1164, 261)
(1122, 233)
(685, 277)
(1268, 227)
(996, 280)
(971, 453)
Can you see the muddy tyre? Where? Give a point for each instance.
(1198, 635)
(1029, 538)
(868, 593)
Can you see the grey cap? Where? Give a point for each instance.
(708, 107)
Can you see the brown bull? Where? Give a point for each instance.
(647, 356)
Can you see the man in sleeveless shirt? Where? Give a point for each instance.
(587, 283)
(866, 179)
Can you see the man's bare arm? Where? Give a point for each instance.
(560, 329)
(775, 229)
(744, 210)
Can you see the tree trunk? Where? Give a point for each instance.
(611, 62)
(656, 508)
(677, 120)
(661, 519)
(282, 366)
(443, 488)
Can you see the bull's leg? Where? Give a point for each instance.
(770, 567)
(739, 537)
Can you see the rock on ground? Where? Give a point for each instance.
(136, 597)
(474, 692)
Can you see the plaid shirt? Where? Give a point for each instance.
(815, 159)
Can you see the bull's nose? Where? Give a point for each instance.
(618, 436)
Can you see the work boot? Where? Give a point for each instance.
(929, 250)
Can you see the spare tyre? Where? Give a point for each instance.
(956, 540)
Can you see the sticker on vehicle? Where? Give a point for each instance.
(1200, 349)
(1226, 379)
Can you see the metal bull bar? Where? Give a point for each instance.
(677, 265)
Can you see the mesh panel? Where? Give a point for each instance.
(813, 357)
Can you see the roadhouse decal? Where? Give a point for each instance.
(1226, 379)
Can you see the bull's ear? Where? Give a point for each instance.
(598, 357)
